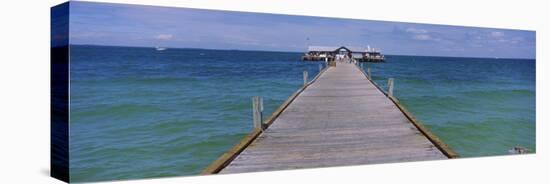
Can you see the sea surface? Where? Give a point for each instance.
(478, 106)
(140, 113)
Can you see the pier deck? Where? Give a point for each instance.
(340, 119)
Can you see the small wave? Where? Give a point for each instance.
(114, 111)
(499, 94)
(157, 80)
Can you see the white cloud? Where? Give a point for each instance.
(422, 37)
(164, 36)
(497, 34)
(416, 31)
(514, 40)
(420, 34)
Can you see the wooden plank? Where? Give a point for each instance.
(340, 118)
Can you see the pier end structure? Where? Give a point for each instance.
(360, 54)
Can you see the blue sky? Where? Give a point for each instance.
(150, 26)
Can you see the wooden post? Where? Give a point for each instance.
(262, 106)
(390, 87)
(264, 126)
(257, 108)
(305, 78)
(368, 74)
(332, 63)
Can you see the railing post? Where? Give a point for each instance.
(320, 67)
(305, 78)
(257, 109)
(368, 74)
(390, 87)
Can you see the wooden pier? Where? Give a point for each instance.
(340, 118)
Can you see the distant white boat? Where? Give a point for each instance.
(160, 48)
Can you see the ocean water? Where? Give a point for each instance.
(478, 106)
(140, 113)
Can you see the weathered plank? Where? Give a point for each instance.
(342, 118)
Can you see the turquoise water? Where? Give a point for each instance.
(139, 113)
(479, 107)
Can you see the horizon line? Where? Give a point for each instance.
(245, 50)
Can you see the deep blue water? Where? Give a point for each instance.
(138, 112)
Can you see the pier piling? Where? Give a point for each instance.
(390, 87)
(257, 109)
(368, 74)
(305, 78)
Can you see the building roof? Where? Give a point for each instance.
(332, 49)
(321, 48)
(357, 49)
